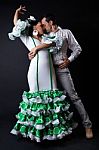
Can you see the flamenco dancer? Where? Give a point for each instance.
(44, 110)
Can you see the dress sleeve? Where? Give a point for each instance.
(18, 29)
(49, 39)
(46, 40)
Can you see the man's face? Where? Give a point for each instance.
(46, 25)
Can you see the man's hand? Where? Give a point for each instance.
(64, 64)
(32, 53)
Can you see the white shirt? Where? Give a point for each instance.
(65, 40)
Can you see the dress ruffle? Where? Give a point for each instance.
(18, 29)
(43, 115)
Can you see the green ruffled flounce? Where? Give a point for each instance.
(43, 115)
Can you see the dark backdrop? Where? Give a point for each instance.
(82, 18)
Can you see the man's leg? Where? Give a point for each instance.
(64, 78)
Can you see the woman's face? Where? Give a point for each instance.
(39, 28)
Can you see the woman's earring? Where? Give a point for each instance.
(35, 32)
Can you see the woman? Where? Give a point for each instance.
(44, 110)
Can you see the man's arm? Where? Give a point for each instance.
(74, 46)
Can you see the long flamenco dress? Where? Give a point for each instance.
(44, 110)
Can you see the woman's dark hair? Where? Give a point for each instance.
(30, 27)
(50, 17)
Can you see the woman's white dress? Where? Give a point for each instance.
(44, 79)
(44, 110)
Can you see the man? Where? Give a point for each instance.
(66, 40)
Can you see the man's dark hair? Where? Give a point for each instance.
(50, 17)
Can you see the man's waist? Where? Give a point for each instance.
(57, 62)
(58, 59)
(58, 69)
(57, 65)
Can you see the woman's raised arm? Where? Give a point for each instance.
(18, 12)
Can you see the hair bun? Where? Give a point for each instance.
(32, 18)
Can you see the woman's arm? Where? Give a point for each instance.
(44, 45)
(18, 12)
(34, 50)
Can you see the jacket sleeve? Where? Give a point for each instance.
(73, 45)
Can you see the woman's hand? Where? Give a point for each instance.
(32, 53)
(21, 9)
(18, 11)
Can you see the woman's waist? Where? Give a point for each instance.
(41, 58)
(42, 54)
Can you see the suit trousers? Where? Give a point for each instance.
(64, 80)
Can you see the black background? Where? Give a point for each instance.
(82, 18)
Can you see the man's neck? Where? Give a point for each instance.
(55, 28)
